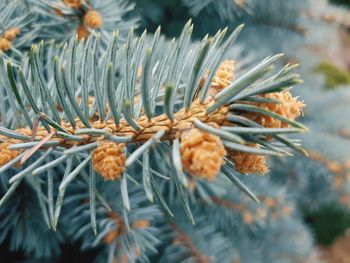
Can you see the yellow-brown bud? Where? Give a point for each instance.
(7, 155)
(93, 19)
(118, 231)
(108, 160)
(82, 32)
(110, 237)
(240, 3)
(202, 154)
(224, 75)
(289, 107)
(248, 218)
(140, 224)
(248, 163)
(12, 33)
(72, 3)
(5, 44)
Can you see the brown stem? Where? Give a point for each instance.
(185, 240)
(148, 128)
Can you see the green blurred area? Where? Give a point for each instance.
(340, 2)
(328, 223)
(334, 76)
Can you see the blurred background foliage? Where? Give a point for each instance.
(334, 76)
(326, 233)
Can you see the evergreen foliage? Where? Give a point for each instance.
(227, 10)
(62, 20)
(149, 149)
(16, 28)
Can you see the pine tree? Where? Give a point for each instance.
(153, 149)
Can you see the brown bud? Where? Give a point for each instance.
(110, 237)
(93, 19)
(72, 3)
(82, 32)
(240, 3)
(289, 107)
(248, 218)
(224, 75)
(140, 224)
(108, 160)
(12, 33)
(7, 155)
(5, 45)
(202, 154)
(248, 163)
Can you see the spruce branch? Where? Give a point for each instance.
(202, 242)
(145, 149)
(81, 18)
(132, 237)
(16, 31)
(79, 120)
(22, 222)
